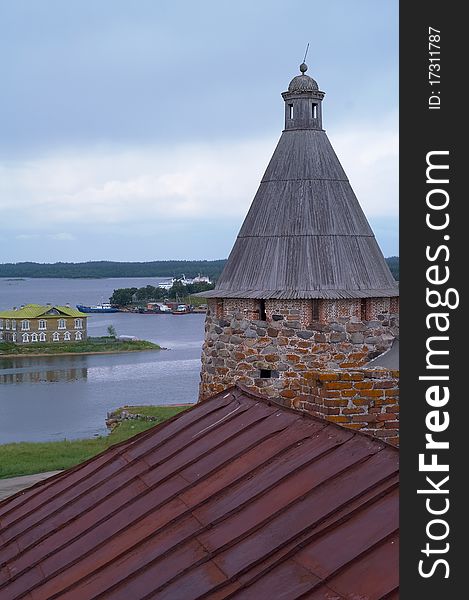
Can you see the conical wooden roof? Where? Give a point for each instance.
(305, 235)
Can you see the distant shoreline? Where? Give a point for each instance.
(128, 270)
(112, 269)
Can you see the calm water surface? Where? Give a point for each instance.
(50, 398)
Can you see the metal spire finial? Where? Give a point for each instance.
(304, 66)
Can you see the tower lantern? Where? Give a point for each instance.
(303, 102)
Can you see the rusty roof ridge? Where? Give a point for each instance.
(325, 580)
(24, 531)
(142, 541)
(42, 486)
(249, 533)
(205, 429)
(123, 447)
(277, 402)
(240, 387)
(125, 505)
(229, 417)
(184, 515)
(297, 469)
(389, 484)
(291, 553)
(179, 517)
(390, 594)
(315, 534)
(234, 541)
(311, 490)
(281, 479)
(335, 596)
(113, 513)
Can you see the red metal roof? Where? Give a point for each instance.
(237, 497)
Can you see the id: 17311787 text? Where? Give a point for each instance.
(434, 67)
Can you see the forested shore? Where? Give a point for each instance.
(104, 268)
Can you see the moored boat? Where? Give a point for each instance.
(181, 309)
(154, 308)
(104, 307)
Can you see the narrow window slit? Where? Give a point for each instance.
(262, 313)
(268, 374)
(315, 309)
(363, 311)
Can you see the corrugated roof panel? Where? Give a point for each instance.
(231, 498)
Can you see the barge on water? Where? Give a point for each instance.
(104, 307)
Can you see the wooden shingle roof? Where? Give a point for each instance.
(237, 497)
(305, 235)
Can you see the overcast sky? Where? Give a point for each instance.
(140, 129)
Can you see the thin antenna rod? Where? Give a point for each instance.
(306, 53)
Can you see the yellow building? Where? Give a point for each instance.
(35, 323)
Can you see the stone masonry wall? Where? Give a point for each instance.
(275, 356)
(363, 399)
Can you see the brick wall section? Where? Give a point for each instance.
(237, 348)
(333, 310)
(330, 311)
(363, 399)
(248, 307)
(290, 310)
(378, 306)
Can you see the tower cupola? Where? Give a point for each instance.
(303, 102)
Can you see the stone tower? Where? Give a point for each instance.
(306, 286)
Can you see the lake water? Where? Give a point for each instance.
(51, 398)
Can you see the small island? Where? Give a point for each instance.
(39, 330)
(98, 345)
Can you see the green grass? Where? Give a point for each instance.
(25, 458)
(89, 345)
(152, 411)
